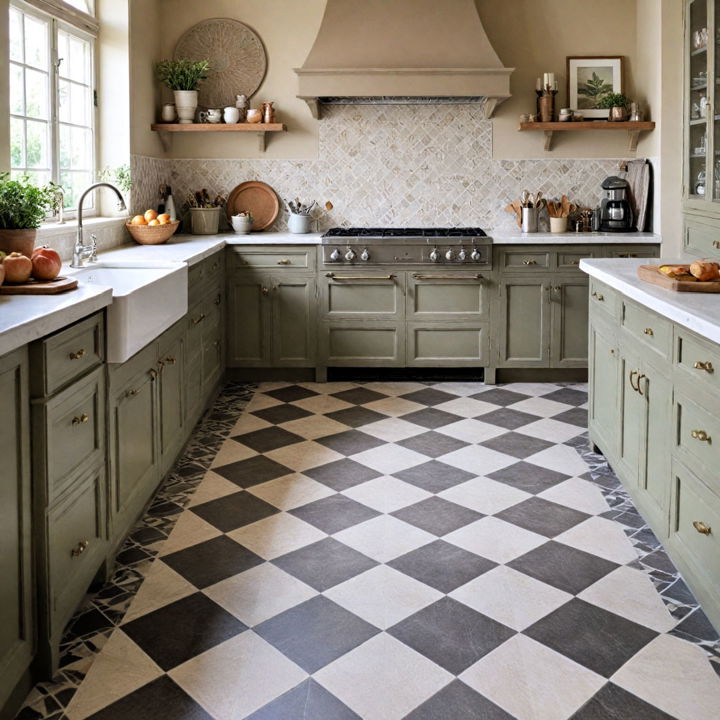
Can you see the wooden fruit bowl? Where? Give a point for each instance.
(152, 235)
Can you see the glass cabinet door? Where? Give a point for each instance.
(699, 99)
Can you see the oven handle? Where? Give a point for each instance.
(420, 276)
(333, 276)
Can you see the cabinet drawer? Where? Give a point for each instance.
(373, 294)
(698, 439)
(633, 251)
(603, 298)
(444, 345)
(698, 361)
(204, 276)
(570, 259)
(447, 296)
(275, 259)
(695, 526)
(67, 355)
(647, 327)
(369, 344)
(524, 260)
(74, 428)
(701, 239)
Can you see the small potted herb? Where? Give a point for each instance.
(616, 104)
(183, 78)
(23, 207)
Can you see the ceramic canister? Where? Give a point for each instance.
(231, 115)
(214, 115)
(168, 114)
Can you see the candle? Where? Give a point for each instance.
(551, 79)
(545, 80)
(538, 85)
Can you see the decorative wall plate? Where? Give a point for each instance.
(236, 55)
(255, 197)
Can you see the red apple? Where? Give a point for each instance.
(17, 268)
(46, 264)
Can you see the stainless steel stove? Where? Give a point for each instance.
(406, 246)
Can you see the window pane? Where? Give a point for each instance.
(16, 35)
(75, 54)
(73, 183)
(17, 143)
(74, 103)
(17, 90)
(36, 42)
(37, 177)
(37, 145)
(84, 5)
(36, 94)
(75, 148)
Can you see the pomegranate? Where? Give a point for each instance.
(17, 268)
(46, 264)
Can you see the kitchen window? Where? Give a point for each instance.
(52, 94)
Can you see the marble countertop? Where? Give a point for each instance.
(699, 312)
(503, 237)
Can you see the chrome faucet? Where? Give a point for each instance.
(82, 251)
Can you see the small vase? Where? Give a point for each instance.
(186, 102)
(617, 114)
(205, 221)
(268, 113)
(253, 116)
(168, 114)
(22, 241)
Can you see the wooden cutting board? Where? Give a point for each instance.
(652, 274)
(256, 197)
(40, 287)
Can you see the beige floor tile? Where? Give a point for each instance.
(630, 593)
(260, 402)
(321, 404)
(314, 426)
(495, 539)
(328, 388)
(551, 430)
(561, 458)
(190, 529)
(237, 677)
(277, 535)
(386, 494)
(383, 679)
(259, 593)
(304, 455)
(119, 669)
(248, 423)
(477, 459)
(389, 459)
(534, 389)
(675, 676)
(395, 388)
(539, 406)
(531, 681)
(161, 587)
(383, 596)
(466, 407)
(394, 406)
(230, 452)
(212, 487)
(510, 597)
(392, 429)
(291, 491)
(462, 389)
(471, 431)
(268, 385)
(601, 537)
(485, 495)
(578, 494)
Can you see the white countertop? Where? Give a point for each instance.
(503, 237)
(272, 238)
(699, 312)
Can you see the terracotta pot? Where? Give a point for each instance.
(22, 241)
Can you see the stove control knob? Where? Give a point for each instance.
(335, 255)
(475, 255)
(462, 255)
(450, 255)
(365, 255)
(434, 255)
(350, 255)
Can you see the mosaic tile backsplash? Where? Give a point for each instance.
(400, 165)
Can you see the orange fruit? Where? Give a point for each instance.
(163, 219)
(138, 220)
(152, 223)
(150, 215)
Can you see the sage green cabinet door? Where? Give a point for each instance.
(356, 295)
(171, 394)
(632, 418)
(569, 322)
(368, 344)
(524, 323)
(446, 345)
(294, 337)
(603, 381)
(449, 296)
(16, 619)
(248, 320)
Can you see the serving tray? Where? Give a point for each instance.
(40, 287)
(652, 274)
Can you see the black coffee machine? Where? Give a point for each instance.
(616, 215)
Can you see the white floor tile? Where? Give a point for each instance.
(212, 487)
(189, 530)
(478, 460)
(231, 452)
(578, 494)
(601, 537)
(539, 406)
(386, 494)
(561, 458)
(276, 535)
(392, 429)
(552, 430)
(248, 423)
(389, 459)
(322, 404)
(291, 491)
(471, 431)
(161, 587)
(314, 426)
(304, 455)
(394, 406)
(466, 407)
(485, 495)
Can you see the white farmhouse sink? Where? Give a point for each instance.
(147, 300)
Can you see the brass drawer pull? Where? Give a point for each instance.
(285, 261)
(153, 374)
(706, 366)
(648, 331)
(333, 276)
(80, 548)
(529, 262)
(264, 290)
(574, 262)
(77, 355)
(716, 244)
(218, 299)
(633, 386)
(700, 435)
(639, 389)
(702, 528)
(81, 420)
(420, 276)
(170, 360)
(132, 393)
(599, 298)
(198, 319)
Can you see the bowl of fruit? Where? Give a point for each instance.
(151, 228)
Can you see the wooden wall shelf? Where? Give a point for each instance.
(259, 129)
(633, 129)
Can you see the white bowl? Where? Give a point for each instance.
(241, 225)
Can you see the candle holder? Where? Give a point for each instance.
(546, 105)
(539, 94)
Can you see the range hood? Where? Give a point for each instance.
(402, 51)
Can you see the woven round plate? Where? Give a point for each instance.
(256, 197)
(236, 56)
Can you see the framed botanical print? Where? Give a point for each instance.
(590, 79)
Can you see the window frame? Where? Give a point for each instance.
(83, 31)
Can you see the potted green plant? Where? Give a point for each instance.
(183, 78)
(616, 104)
(23, 207)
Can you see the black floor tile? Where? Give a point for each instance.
(500, 396)
(451, 634)
(437, 516)
(182, 630)
(350, 442)
(334, 513)
(429, 397)
(235, 510)
(441, 565)
(291, 393)
(315, 633)
(457, 701)
(569, 396)
(342, 474)
(278, 414)
(359, 396)
(356, 416)
(308, 701)
(528, 477)
(434, 476)
(211, 561)
(433, 444)
(543, 517)
(593, 637)
(252, 471)
(431, 418)
(508, 418)
(517, 444)
(613, 703)
(268, 439)
(576, 416)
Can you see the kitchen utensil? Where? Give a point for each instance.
(257, 198)
(525, 198)
(40, 287)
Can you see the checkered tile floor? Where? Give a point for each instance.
(393, 550)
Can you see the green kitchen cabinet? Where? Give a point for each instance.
(632, 412)
(524, 321)
(447, 344)
(568, 322)
(172, 412)
(603, 406)
(17, 627)
(248, 320)
(448, 297)
(362, 344)
(292, 321)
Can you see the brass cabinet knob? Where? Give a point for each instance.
(574, 262)
(702, 528)
(648, 331)
(716, 244)
(264, 290)
(700, 435)
(132, 393)
(599, 298)
(170, 360)
(77, 355)
(529, 261)
(152, 373)
(80, 548)
(285, 261)
(80, 420)
(706, 366)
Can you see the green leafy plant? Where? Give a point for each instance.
(612, 100)
(119, 176)
(23, 205)
(182, 74)
(595, 88)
